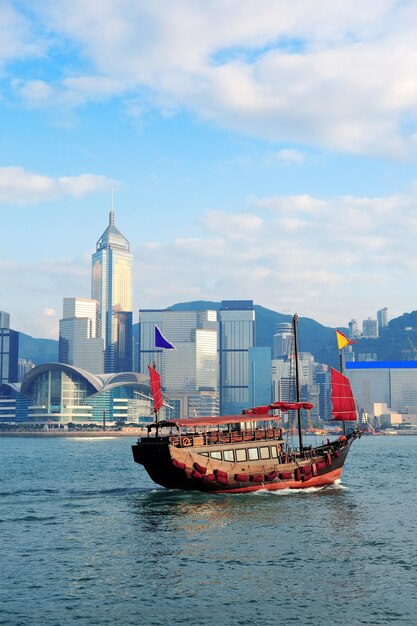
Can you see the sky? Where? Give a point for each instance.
(256, 150)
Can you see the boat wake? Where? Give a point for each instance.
(336, 486)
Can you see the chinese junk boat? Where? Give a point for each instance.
(242, 453)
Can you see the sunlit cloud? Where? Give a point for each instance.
(18, 186)
(339, 77)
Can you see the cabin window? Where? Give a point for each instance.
(274, 453)
(241, 455)
(228, 455)
(216, 455)
(204, 453)
(253, 454)
(264, 453)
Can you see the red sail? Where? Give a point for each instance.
(343, 402)
(156, 388)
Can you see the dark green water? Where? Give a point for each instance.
(86, 538)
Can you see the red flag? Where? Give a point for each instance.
(156, 388)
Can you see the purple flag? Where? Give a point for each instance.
(161, 342)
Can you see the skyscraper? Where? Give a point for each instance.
(283, 340)
(370, 328)
(382, 317)
(79, 342)
(189, 374)
(112, 288)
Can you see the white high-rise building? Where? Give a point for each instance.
(79, 343)
(370, 328)
(382, 317)
(193, 364)
(354, 331)
(282, 341)
(4, 319)
(190, 368)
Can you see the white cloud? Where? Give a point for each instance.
(16, 38)
(286, 156)
(334, 74)
(345, 260)
(18, 186)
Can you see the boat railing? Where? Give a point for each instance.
(222, 437)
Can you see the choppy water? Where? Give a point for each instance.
(86, 538)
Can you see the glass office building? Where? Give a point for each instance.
(112, 288)
(260, 387)
(236, 336)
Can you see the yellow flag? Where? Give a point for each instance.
(342, 340)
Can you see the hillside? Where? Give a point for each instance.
(38, 350)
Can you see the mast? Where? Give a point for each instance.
(297, 379)
(156, 392)
(341, 371)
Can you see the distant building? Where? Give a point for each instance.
(4, 319)
(284, 385)
(260, 387)
(283, 376)
(24, 366)
(79, 341)
(354, 331)
(393, 383)
(112, 288)
(9, 350)
(370, 328)
(237, 335)
(191, 404)
(322, 379)
(382, 318)
(282, 340)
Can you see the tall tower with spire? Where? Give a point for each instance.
(111, 286)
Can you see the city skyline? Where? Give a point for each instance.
(265, 154)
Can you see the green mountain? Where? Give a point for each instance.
(38, 350)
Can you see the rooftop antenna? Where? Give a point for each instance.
(111, 214)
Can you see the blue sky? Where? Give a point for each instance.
(257, 150)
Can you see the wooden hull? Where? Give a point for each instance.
(195, 469)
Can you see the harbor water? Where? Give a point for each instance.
(87, 538)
